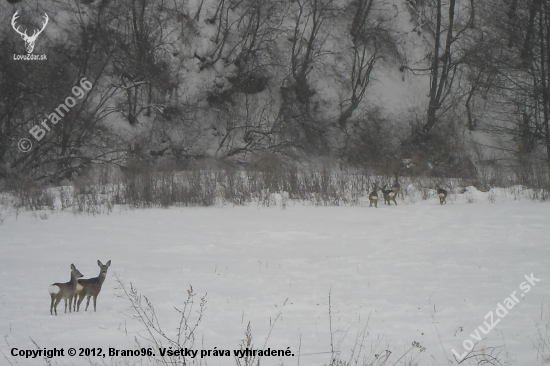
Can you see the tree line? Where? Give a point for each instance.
(238, 80)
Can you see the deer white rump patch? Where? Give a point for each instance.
(54, 289)
(79, 287)
(442, 195)
(392, 194)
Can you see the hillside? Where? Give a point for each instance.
(351, 81)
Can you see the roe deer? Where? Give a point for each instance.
(65, 291)
(373, 197)
(389, 196)
(396, 187)
(442, 195)
(91, 286)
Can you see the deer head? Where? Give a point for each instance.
(29, 41)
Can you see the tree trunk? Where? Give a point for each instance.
(535, 6)
(433, 104)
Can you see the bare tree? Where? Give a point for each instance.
(509, 74)
(144, 41)
(307, 40)
(448, 49)
(60, 107)
(371, 41)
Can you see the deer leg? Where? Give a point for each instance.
(75, 308)
(95, 298)
(51, 304)
(55, 305)
(80, 298)
(87, 302)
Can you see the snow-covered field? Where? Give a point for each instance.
(393, 270)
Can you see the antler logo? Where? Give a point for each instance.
(29, 41)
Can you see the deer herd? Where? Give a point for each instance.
(78, 289)
(395, 190)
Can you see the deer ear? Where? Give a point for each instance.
(72, 266)
(99, 263)
(108, 263)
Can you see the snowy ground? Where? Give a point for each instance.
(392, 264)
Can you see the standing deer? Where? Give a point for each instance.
(29, 40)
(396, 187)
(373, 197)
(442, 195)
(91, 287)
(65, 291)
(389, 195)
